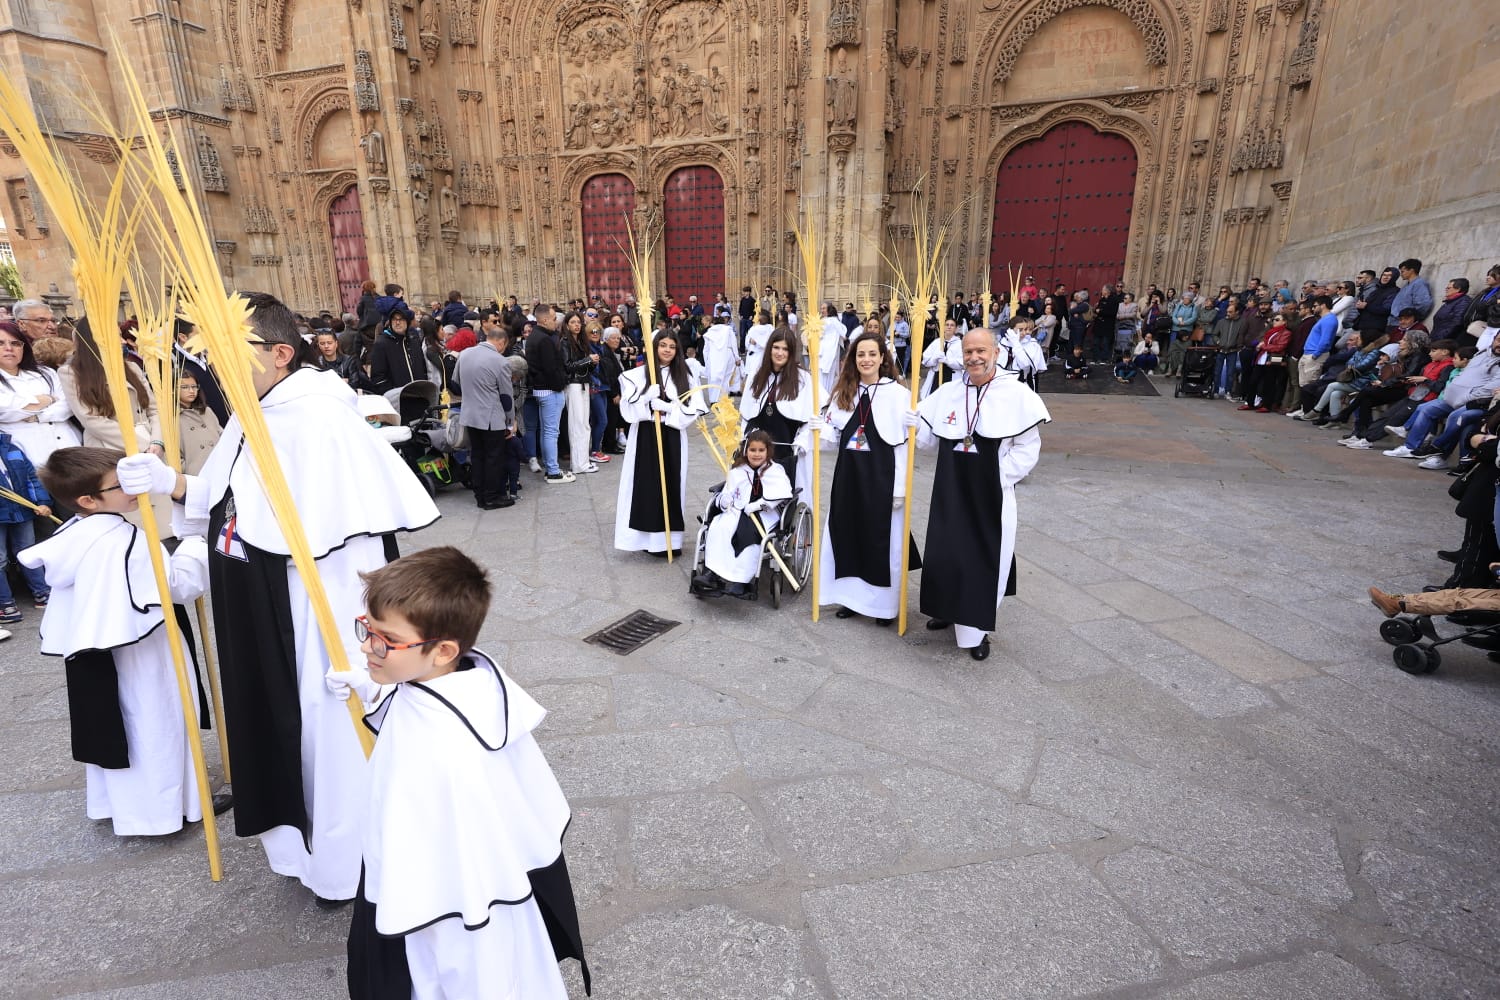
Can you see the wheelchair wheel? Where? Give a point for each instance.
(1413, 659)
(774, 584)
(1397, 631)
(797, 545)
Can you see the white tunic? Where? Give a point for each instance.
(938, 354)
(889, 401)
(831, 350)
(719, 546)
(719, 361)
(104, 596)
(755, 347)
(635, 409)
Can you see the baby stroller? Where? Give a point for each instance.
(427, 451)
(790, 535)
(1416, 638)
(1197, 378)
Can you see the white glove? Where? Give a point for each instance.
(817, 423)
(911, 419)
(661, 405)
(755, 506)
(357, 679)
(145, 473)
(896, 502)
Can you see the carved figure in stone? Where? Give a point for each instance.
(843, 23)
(842, 99)
(752, 118)
(694, 87)
(577, 127)
(752, 183)
(718, 111)
(373, 144)
(448, 205)
(414, 167)
(638, 92)
(419, 204)
(428, 18)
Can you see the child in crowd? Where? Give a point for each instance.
(1125, 369)
(465, 891)
(200, 429)
(1075, 366)
(17, 530)
(105, 620)
(756, 485)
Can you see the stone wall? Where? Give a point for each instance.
(468, 129)
(1402, 145)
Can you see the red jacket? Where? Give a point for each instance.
(1435, 372)
(1275, 341)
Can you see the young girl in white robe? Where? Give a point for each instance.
(756, 487)
(639, 525)
(104, 618)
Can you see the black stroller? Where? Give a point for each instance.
(1197, 377)
(427, 451)
(1416, 638)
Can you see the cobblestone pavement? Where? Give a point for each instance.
(1189, 770)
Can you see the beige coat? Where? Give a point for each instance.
(100, 431)
(200, 432)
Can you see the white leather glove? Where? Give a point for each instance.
(911, 419)
(661, 406)
(817, 423)
(356, 679)
(896, 502)
(145, 473)
(755, 506)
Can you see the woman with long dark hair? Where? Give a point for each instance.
(579, 358)
(778, 400)
(34, 410)
(87, 390)
(639, 522)
(869, 412)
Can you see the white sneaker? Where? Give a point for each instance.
(1398, 430)
(591, 467)
(1433, 462)
(1359, 444)
(4, 634)
(535, 465)
(562, 477)
(1400, 451)
(1296, 414)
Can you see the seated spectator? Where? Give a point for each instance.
(1474, 322)
(1264, 378)
(1406, 390)
(1437, 602)
(1361, 372)
(1075, 365)
(1125, 372)
(1146, 354)
(1415, 294)
(1472, 388)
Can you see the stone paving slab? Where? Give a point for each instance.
(1188, 770)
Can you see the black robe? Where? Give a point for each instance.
(645, 497)
(962, 573)
(859, 511)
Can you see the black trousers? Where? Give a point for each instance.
(488, 455)
(1264, 385)
(1368, 399)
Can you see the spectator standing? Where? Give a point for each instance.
(1448, 321)
(1229, 335)
(578, 358)
(331, 358)
(1375, 306)
(611, 367)
(396, 359)
(34, 409)
(1105, 314)
(1264, 378)
(489, 414)
(198, 428)
(1127, 324)
(1184, 320)
(747, 311)
(1079, 315)
(367, 324)
(35, 319)
(1474, 319)
(549, 380)
(1415, 294)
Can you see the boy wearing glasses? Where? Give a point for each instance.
(105, 620)
(464, 891)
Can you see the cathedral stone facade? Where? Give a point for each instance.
(505, 146)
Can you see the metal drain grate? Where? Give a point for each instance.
(632, 632)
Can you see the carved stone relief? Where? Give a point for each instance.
(373, 143)
(690, 84)
(844, 22)
(461, 14)
(209, 167)
(366, 93)
(1142, 12)
(442, 157)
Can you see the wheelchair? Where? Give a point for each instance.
(790, 535)
(1416, 638)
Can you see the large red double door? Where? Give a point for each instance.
(1062, 209)
(346, 225)
(693, 238)
(608, 203)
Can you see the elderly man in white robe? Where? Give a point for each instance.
(984, 427)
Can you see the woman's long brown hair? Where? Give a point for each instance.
(847, 386)
(790, 384)
(89, 378)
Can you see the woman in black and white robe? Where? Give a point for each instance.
(778, 400)
(639, 524)
(869, 414)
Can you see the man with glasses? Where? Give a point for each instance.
(35, 319)
(300, 776)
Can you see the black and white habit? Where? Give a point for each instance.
(786, 422)
(299, 771)
(104, 619)
(466, 892)
(638, 505)
(861, 552)
(987, 441)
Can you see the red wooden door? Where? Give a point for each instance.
(608, 204)
(693, 211)
(1062, 209)
(346, 224)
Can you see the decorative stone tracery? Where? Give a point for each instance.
(1016, 35)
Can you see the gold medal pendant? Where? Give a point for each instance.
(968, 442)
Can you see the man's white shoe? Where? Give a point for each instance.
(1296, 414)
(1400, 451)
(1399, 430)
(535, 465)
(1359, 444)
(1434, 462)
(4, 634)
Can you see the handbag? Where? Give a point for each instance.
(1460, 485)
(1275, 359)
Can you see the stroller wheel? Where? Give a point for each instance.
(1397, 631)
(1413, 659)
(1177, 393)
(430, 483)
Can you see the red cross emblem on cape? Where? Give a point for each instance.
(951, 418)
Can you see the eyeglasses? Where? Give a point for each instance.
(107, 489)
(379, 644)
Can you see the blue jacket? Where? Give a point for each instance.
(19, 476)
(1416, 295)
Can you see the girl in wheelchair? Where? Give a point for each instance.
(733, 548)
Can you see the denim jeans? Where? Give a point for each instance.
(549, 405)
(1421, 423)
(14, 538)
(531, 417)
(1226, 366)
(598, 419)
(1456, 430)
